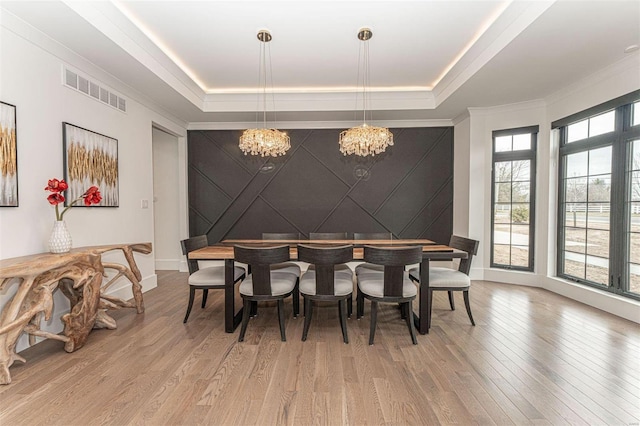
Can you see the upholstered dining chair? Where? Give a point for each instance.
(285, 266)
(328, 235)
(450, 280)
(326, 282)
(204, 279)
(371, 236)
(264, 284)
(391, 285)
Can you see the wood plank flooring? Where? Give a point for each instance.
(533, 358)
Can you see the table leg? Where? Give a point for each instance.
(422, 321)
(231, 319)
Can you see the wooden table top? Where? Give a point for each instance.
(385, 242)
(39, 262)
(221, 251)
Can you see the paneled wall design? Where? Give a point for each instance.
(408, 190)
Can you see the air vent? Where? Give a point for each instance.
(94, 89)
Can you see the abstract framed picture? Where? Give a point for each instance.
(8, 156)
(90, 159)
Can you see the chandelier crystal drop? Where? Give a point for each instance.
(365, 140)
(264, 141)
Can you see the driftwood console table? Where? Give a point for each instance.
(79, 275)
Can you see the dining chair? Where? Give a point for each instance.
(281, 236)
(372, 236)
(286, 266)
(264, 284)
(326, 282)
(391, 285)
(450, 280)
(204, 279)
(328, 235)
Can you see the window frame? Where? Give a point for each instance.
(519, 155)
(619, 140)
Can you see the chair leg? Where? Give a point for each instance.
(205, 293)
(192, 294)
(359, 305)
(409, 317)
(350, 305)
(308, 309)
(296, 301)
(468, 306)
(403, 311)
(343, 319)
(451, 302)
(254, 309)
(374, 318)
(246, 312)
(281, 319)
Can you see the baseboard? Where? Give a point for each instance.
(168, 264)
(122, 290)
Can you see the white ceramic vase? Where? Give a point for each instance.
(60, 240)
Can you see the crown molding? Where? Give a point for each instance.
(36, 37)
(290, 125)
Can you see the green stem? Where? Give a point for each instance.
(59, 217)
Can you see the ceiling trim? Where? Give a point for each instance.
(236, 125)
(113, 24)
(21, 29)
(513, 20)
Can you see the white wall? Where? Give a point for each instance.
(612, 82)
(166, 196)
(31, 79)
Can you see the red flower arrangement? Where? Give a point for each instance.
(57, 187)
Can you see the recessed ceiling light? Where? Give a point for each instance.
(631, 48)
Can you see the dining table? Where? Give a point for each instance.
(224, 251)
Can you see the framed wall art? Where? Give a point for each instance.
(8, 156)
(90, 159)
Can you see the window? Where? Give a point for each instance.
(512, 198)
(599, 188)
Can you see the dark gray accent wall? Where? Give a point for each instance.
(408, 190)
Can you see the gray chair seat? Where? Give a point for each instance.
(372, 284)
(343, 282)
(288, 267)
(213, 275)
(281, 283)
(443, 277)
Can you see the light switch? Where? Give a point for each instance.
(144, 204)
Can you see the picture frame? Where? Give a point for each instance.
(90, 159)
(8, 156)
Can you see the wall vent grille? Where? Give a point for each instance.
(94, 89)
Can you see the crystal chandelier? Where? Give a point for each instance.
(365, 140)
(264, 141)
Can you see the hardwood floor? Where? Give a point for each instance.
(533, 358)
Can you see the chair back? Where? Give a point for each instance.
(260, 260)
(394, 259)
(191, 244)
(327, 235)
(281, 236)
(468, 245)
(372, 236)
(325, 259)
